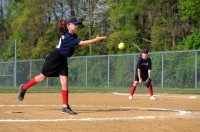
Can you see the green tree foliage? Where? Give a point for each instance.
(29, 28)
(46, 43)
(129, 37)
(158, 22)
(192, 41)
(159, 25)
(124, 25)
(190, 10)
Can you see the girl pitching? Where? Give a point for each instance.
(143, 73)
(56, 65)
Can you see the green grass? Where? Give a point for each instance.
(40, 89)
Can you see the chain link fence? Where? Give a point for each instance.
(177, 69)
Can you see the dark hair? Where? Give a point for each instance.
(62, 29)
(140, 55)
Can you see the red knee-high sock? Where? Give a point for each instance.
(150, 90)
(132, 90)
(29, 83)
(65, 97)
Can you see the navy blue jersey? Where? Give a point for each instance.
(67, 44)
(144, 65)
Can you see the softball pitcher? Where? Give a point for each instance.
(56, 65)
(143, 73)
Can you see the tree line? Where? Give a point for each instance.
(158, 25)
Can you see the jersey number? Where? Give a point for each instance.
(59, 44)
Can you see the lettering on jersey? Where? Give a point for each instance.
(145, 64)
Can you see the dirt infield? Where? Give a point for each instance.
(100, 112)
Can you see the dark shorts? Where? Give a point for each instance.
(143, 75)
(55, 65)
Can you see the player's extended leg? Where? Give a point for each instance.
(151, 92)
(132, 91)
(33, 81)
(64, 83)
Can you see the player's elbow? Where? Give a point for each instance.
(83, 43)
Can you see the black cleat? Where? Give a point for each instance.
(68, 110)
(21, 93)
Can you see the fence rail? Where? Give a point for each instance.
(172, 69)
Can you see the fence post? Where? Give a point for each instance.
(162, 78)
(30, 67)
(108, 71)
(15, 65)
(196, 63)
(134, 66)
(47, 82)
(86, 71)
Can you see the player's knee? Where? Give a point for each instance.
(135, 83)
(40, 78)
(65, 88)
(64, 84)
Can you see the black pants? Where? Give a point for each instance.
(144, 76)
(55, 64)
